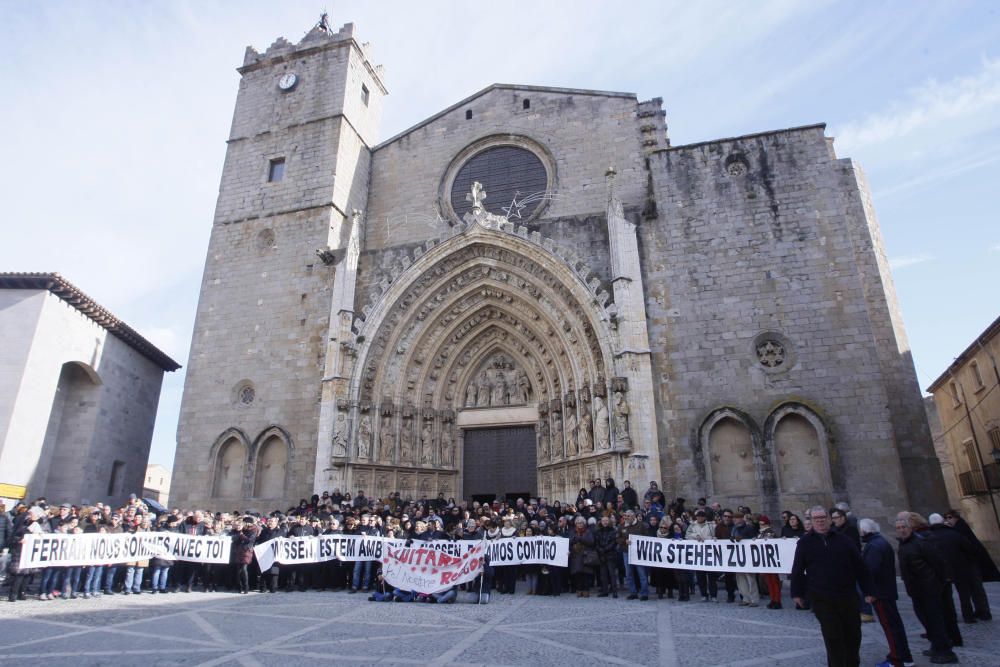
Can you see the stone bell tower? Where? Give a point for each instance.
(297, 165)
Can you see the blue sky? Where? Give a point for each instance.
(116, 115)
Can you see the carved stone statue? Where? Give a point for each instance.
(470, 394)
(385, 439)
(571, 434)
(523, 387)
(586, 439)
(621, 417)
(510, 388)
(602, 428)
(498, 388)
(447, 447)
(340, 435)
(483, 390)
(427, 443)
(365, 437)
(557, 435)
(543, 440)
(406, 442)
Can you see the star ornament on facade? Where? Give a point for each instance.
(514, 210)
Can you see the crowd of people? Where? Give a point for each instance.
(844, 571)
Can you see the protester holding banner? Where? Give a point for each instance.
(19, 576)
(744, 529)
(636, 576)
(701, 530)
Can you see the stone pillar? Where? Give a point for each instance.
(343, 252)
(632, 364)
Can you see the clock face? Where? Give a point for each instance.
(288, 81)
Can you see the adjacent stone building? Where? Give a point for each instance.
(967, 396)
(531, 289)
(78, 393)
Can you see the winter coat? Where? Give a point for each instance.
(578, 545)
(957, 551)
(828, 565)
(630, 497)
(606, 541)
(923, 569)
(697, 530)
(987, 568)
(880, 560)
(243, 543)
(6, 529)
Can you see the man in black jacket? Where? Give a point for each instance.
(828, 568)
(925, 576)
(880, 560)
(961, 558)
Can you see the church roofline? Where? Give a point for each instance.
(503, 86)
(72, 295)
(799, 128)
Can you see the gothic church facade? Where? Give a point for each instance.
(532, 289)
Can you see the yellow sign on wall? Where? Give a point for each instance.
(13, 491)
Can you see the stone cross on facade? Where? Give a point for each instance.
(476, 196)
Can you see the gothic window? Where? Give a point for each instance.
(731, 452)
(514, 178)
(229, 469)
(271, 464)
(365, 94)
(799, 455)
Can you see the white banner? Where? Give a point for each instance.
(529, 550)
(773, 556)
(422, 569)
(317, 549)
(66, 550)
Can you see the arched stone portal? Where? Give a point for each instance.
(489, 326)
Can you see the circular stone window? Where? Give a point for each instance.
(265, 239)
(515, 180)
(773, 352)
(245, 393)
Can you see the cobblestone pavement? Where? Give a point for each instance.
(315, 628)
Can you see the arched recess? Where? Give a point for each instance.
(801, 444)
(271, 455)
(230, 461)
(459, 302)
(72, 416)
(733, 458)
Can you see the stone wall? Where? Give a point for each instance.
(76, 400)
(257, 359)
(756, 235)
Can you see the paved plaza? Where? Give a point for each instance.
(313, 628)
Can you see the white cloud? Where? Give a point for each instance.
(897, 263)
(974, 100)
(995, 248)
